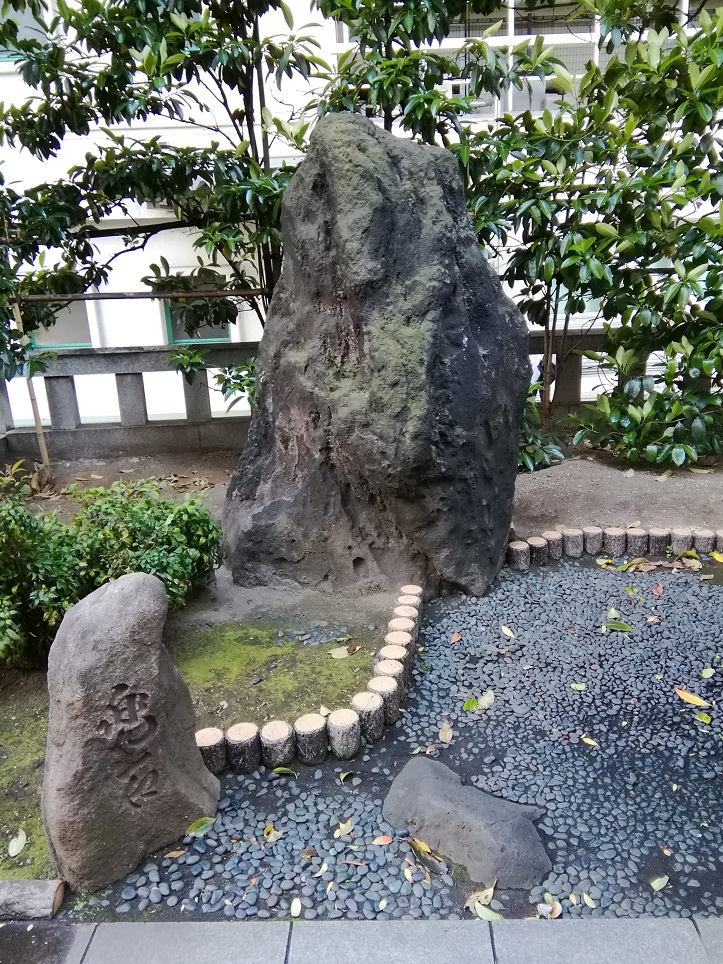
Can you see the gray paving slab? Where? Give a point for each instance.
(711, 933)
(49, 942)
(644, 940)
(391, 942)
(189, 943)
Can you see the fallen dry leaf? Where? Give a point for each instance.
(382, 841)
(446, 732)
(657, 589)
(691, 698)
(455, 637)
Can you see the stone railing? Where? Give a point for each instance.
(135, 434)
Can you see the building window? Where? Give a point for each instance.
(177, 334)
(28, 29)
(71, 329)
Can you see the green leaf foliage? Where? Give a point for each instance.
(47, 565)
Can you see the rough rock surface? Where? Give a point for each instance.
(393, 374)
(492, 838)
(123, 775)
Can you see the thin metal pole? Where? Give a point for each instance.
(17, 314)
(137, 295)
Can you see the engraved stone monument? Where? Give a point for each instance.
(123, 775)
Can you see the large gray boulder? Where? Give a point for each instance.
(123, 775)
(392, 378)
(492, 838)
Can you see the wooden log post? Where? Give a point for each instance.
(592, 537)
(398, 654)
(704, 540)
(30, 899)
(388, 689)
(658, 540)
(411, 590)
(277, 744)
(573, 542)
(243, 747)
(681, 540)
(399, 639)
(408, 612)
(538, 550)
(614, 541)
(400, 624)
(393, 668)
(637, 542)
(518, 555)
(311, 738)
(554, 544)
(344, 733)
(369, 707)
(212, 744)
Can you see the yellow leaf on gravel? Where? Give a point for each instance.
(506, 631)
(657, 883)
(296, 907)
(588, 900)
(409, 874)
(480, 897)
(322, 870)
(691, 698)
(446, 732)
(382, 841)
(589, 741)
(718, 556)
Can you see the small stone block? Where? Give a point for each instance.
(637, 542)
(243, 747)
(681, 540)
(704, 540)
(554, 544)
(518, 556)
(370, 709)
(592, 540)
(277, 744)
(212, 744)
(538, 550)
(344, 733)
(614, 542)
(658, 540)
(573, 542)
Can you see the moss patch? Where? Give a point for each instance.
(23, 726)
(219, 665)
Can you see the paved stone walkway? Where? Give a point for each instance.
(642, 941)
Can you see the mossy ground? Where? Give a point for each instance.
(23, 726)
(218, 663)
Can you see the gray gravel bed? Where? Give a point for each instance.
(629, 778)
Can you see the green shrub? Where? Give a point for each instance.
(537, 450)
(674, 416)
(47, 565)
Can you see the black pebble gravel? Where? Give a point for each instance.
(642, 802)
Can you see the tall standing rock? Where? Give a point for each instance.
(393, 375)
(123, 775)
